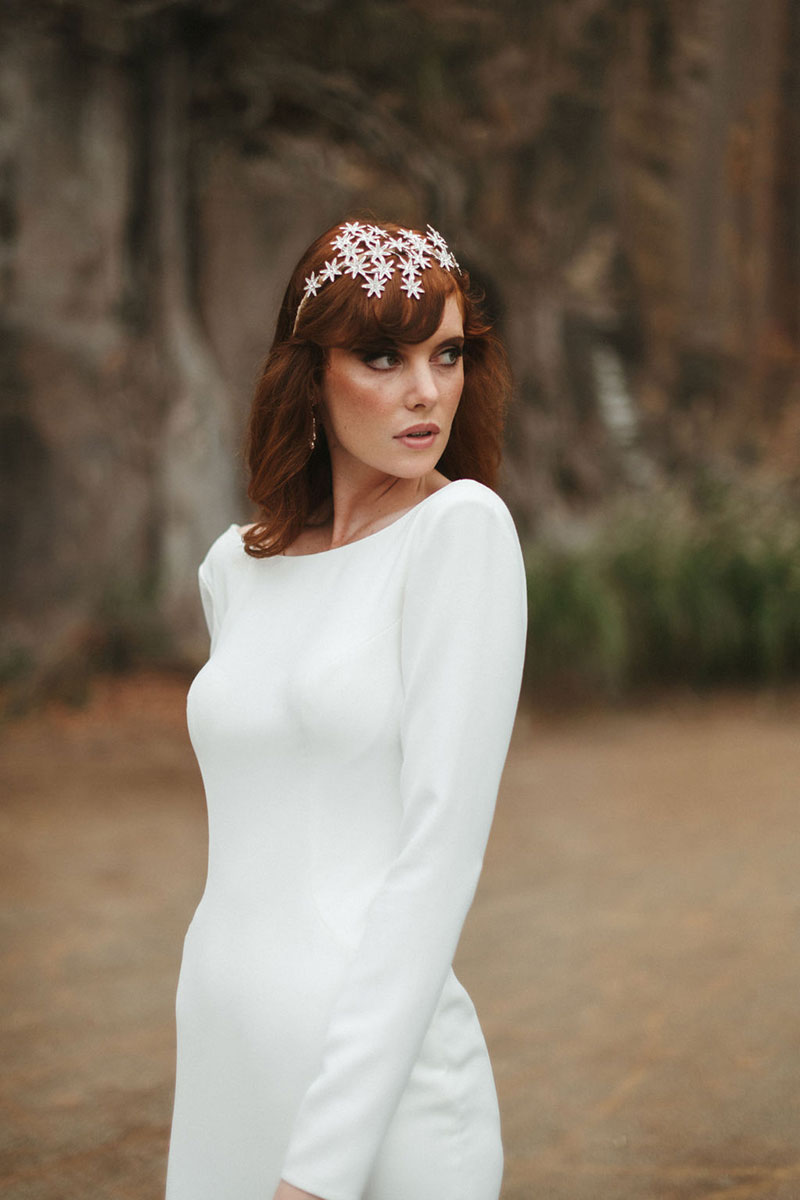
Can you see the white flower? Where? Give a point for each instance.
(374, 286)
(369, 252)
(356, 265)
(412, 286)
(330, 270)
(421, 261)
(436, 238)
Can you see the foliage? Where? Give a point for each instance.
(667, 594)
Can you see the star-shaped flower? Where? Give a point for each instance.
(436, 238)
(412, 286)
(408, 265)
(374, 286)
(330, 270)
(346, 243)
(421, 259)
(356, 265)
(370, 253)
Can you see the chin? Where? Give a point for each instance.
(415, 470)
(410, 464)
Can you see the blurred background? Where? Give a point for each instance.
(623, 178)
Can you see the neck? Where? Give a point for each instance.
(365, 499)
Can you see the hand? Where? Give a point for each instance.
(287, 1192)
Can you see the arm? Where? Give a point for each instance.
(207, 596)
(211, 577)
(461, 661)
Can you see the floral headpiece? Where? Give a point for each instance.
(370, 253)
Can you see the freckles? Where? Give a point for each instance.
(357, 405)
(371, 400)
(364, 396)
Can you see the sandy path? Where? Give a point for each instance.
(633, 951)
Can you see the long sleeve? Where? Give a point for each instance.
(206, 596)
(462, 647)
(211, 582)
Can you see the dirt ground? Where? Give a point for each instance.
(633, 952)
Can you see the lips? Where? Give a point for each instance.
(419, 432)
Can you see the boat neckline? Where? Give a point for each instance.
(368, 537)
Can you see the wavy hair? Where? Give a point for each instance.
(289, 481)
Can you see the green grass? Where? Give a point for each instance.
(664, 594)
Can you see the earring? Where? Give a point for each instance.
(312, 441)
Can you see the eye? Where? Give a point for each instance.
(381, 360)
(449, 355)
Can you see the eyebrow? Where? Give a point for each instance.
(390, 343)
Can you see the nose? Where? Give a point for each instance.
(422, 389)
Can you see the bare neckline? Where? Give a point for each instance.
(367, 537)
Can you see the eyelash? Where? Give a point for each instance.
(370, 359)
(373, 356)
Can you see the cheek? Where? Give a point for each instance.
(361, 412)
(354, 407)
(454, 393)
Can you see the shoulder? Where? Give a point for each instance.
(467, 510)
(464, 563)
(223, 551)
(464, 539)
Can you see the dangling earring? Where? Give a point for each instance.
(312, 441)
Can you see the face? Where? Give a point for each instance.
(391, 407)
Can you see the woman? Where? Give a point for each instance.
(351, 726)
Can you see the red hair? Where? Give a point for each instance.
(288, 480)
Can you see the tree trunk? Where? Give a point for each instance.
(197, 467)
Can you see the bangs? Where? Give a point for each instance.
(323, 307)
(343, 315)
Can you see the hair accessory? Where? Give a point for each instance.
(374, 255)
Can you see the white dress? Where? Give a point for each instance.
(351, 726)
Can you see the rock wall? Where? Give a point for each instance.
(621, 176)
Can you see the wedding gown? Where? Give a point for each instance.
(351, 725)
